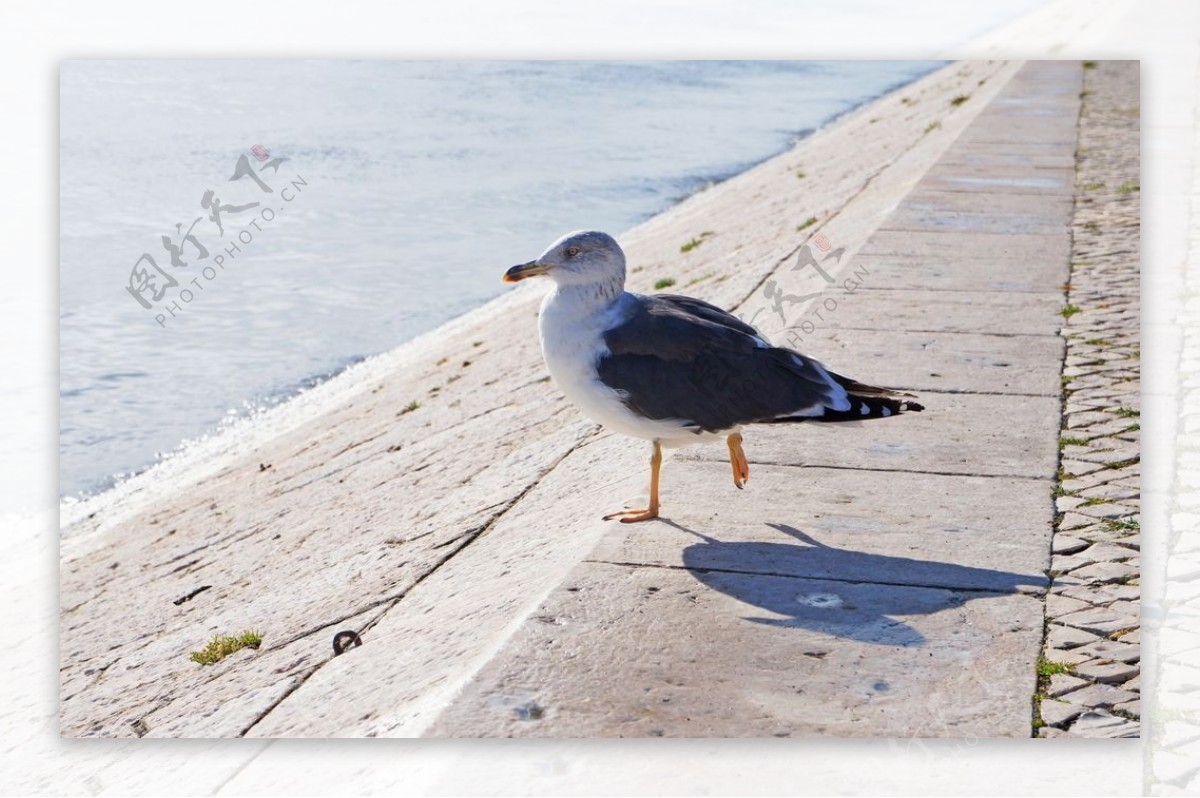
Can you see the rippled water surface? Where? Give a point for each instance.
(405, 190)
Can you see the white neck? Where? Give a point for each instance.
(587, 297)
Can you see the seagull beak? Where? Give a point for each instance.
(518, 273)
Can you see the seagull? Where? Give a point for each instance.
(672, 369)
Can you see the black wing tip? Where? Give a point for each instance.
(867, 407)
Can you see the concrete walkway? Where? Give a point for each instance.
(878, 580)
(885, 579)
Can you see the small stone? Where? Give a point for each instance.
(1065, 544)
(1061, 683)
(1106, 572)
(1101, 620)
(1131, 478)
(1072, 521)
(1111, 492)
(1099, 695)
(1107, 552)
(1134, 637)
(1050, 731)
(1133, 542)
(1085, 418)
(1080, 467)
(1113, 651)
(1130, 707)
(1103, 594)
(1102, 724)
(1098, 533)
(1057, 605)
(1131, 608)
(1068, 637)
(1055, 712)
(1109, 428)
(1103, 511)
(1106, 671)
(1065, 657)
(1105, 451)
(1075, 484)
(1065, 504)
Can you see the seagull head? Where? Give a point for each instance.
(588, 257)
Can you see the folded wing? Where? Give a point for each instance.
(680, 358)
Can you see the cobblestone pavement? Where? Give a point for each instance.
(1090, 672)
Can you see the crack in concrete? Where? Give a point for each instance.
(467, 538)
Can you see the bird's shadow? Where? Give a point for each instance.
(863, 596)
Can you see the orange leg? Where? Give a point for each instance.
(633, 516)
(737, 460)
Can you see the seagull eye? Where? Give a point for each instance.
(572, 251)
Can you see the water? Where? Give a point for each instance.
(412, 186)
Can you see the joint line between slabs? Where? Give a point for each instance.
(764, 463)
(1037, 593)
(1055, 293)
(954, 332)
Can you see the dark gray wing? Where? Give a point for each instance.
(680, 358)
(708, 312)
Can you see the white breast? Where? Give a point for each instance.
(572, 328)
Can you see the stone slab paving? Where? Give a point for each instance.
(1090, 683)
(882, 579)
(956, 261)
(868, 581)
(431, 498)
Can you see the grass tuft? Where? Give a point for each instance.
(809, 222)
(1129, 188)
(1070, 310)
(695, 242)
(960, 99)
(221, 646)
(1071, 440)
(666, 282)
(1046, 668)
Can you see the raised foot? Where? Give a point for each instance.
(632, 516)
(737, 461)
